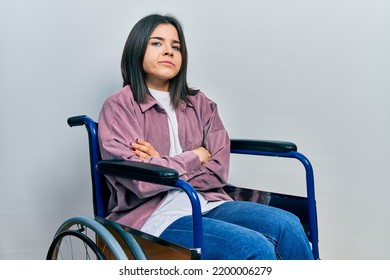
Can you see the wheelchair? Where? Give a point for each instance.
(98, 238)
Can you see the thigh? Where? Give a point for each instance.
(222, 240)
(264, 219)
(280, 227)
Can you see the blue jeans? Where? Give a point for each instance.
(239, 230)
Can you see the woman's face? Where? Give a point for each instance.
(162, 60)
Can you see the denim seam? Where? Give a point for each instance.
(275, 242)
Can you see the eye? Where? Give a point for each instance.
(155, 44)
(176, 48)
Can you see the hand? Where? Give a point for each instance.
(203, 154)
(143, 149)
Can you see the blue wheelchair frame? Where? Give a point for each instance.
(165, 176)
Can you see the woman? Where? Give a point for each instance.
(157, 118)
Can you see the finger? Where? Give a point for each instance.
(145, 147)
(142, 155)
(141, 145)
(135, 146)
(142, 142)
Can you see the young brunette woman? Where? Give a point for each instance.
(157, 118)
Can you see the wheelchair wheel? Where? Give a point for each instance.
(128, 240)
(82, 238)
(73, 244)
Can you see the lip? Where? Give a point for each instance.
(165, 62)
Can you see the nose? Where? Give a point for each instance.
(168, 51)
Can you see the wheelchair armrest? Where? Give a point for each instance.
(262, 146)
(140, 171)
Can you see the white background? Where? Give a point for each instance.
(312, 72)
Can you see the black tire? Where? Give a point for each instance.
(83, 238)
(63, 246)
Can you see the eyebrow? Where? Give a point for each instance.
(162, 39)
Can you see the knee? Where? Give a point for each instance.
(291, 220)
(292, 226)
(264, 252)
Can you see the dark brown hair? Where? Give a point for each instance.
(133, 56)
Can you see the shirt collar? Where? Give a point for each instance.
(150, 102)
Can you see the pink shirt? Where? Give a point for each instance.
(122, 121)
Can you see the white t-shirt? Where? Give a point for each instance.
(176, 204)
